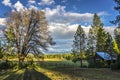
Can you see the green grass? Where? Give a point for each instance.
(60, 70)
(11, 74)
(63, 64)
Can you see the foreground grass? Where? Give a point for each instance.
(59, 70)
(66, 70)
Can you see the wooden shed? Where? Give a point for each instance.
(105, 57)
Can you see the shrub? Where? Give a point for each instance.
(115, 66)
(7, 64)
(1, 56)
(91, 63)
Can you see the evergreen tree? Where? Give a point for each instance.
(101, 40)
(98, 38)
(117, 39)
(117, 36)
(2, 49)
(93, 36)
(91, 42)
(109, 44)
(96, 21)
(117, 30)
(79, 43)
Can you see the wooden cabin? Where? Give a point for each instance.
(105, 57)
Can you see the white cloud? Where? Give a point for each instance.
(32, 4)
(102, 13)
(2, 21)
(63, 35)
(31, 1)
(33, 7)
(60, 15)
(67, 31)
(46, 2)
(110, 29)
(18, 6)
(62, 46)
(7, 3)
(2, 26)
(64, 31)
(63, 1)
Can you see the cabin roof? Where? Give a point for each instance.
(105, 56)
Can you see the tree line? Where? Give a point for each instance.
(98, 40)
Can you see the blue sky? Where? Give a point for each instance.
(64, 16)
(77, 6)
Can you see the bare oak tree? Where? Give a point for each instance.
(27, 31)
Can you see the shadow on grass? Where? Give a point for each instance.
(32, 74)
(81, 73)
(27, 74)
(70, 69)
(15, 75)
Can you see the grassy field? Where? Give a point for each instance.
(59, 70)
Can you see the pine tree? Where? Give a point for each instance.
(117, 39)
(79, 43)
(93, 33)
(96, 21)
(101, 40)
(109, 44)
(98, 38)
(91, 42)
(117, 36)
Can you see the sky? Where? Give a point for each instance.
(64, 16)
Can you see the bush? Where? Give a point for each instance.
(27, 64)
(115, 66)
(7, 64)
(1, 56)
(97, 63)
(91, 63)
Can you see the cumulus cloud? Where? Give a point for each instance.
(31, 1)
(110, 29)
(62, 24)
(60, 15)
(63, 35)
(33, 7)
(2, 21)
(62, 46)
(2, 26)
(18, 6)
(62, 31)
(46, 2)
(67, 31)
(7, 3)
(103, 13)
(63, 1)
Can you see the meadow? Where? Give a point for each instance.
(59, 69)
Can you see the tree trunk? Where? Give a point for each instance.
(118, 61)
(21, 58)
(118, 58)
(81, 63)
